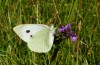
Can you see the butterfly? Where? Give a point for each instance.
(39, 37)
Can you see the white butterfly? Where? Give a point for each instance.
(39, 37)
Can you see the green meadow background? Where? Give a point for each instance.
(83, 15)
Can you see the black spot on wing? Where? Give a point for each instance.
(27, 31)
(31, 35)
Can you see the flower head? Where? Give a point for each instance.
(61, 29)
(67, 32)
(73, 37)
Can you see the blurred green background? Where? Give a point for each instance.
(83, 15)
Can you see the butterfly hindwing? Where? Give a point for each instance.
(39, 42)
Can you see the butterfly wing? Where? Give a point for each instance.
(25, 30)
(41, 41)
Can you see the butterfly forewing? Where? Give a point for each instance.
(25, 30)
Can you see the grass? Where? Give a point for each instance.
(83, 15)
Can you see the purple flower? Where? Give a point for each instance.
(67, 27)
(67, 32)
(73, 37)
(61, 29)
